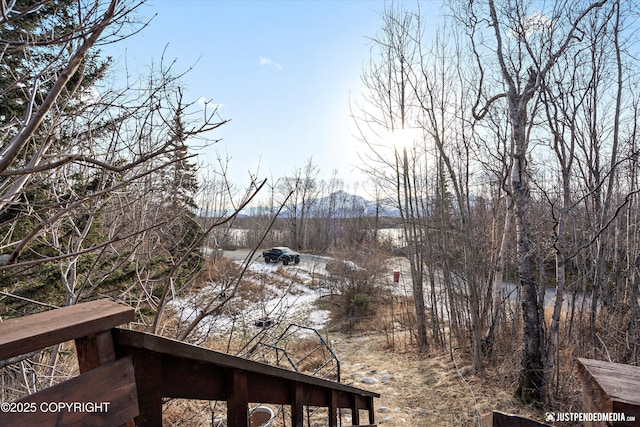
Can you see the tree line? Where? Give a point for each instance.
(508, 138)
(302, 211)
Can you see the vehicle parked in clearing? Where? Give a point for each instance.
(281, 253)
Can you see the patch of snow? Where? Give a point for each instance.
(289, 298)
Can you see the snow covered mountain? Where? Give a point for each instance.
(345, 205)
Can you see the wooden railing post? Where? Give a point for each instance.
(333, 411)
(355, 410)
(372, 415)
(148, 370)
(237, 399)
(95, 350)
(297, 410)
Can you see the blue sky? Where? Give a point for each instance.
(283, 72)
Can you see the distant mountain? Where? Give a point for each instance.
(346, 205)
(339, 204)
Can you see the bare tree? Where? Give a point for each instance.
(303, 188)
(46, 104)
(97, 181)
(388, 114)
(536, 43)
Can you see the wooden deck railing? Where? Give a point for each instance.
(610, 388)
(133, 371)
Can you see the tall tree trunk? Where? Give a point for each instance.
(552, 339)
(531, 380)
(414, 251)
(497, 290)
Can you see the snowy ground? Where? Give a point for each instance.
(281, 294)
(296, 300)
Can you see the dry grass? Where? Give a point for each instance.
(254, 289)
(433, 389)
(217, 270)
(423, 390)
(35, 373)
(419, 390)
(309, 354)
(416, 389)
(182, 412)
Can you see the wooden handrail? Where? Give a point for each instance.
(23, 335)
(105, 396)
(173, 369)
(102, 377)
(163, 368)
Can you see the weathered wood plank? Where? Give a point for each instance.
(632, 412)
(500, 419)
(369, 406)
(95, 350)
(297, 410)
(594, 399)
(192, 380)
(34, 332)
(333, 408)
(105, 396)
(610, 388)
(268, 389)
(355, 410)
(620, 382)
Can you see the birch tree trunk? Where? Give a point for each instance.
(522, 80)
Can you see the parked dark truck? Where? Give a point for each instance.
(281, 253)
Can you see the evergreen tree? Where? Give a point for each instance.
(39, 40)
(181, 186)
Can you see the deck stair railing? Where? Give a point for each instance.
(134, 371)
(320, 360)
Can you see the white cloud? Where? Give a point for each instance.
(536, 22)
(268, 63)
(204, 102)
(531, 24)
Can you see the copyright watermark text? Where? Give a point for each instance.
(32, 407)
